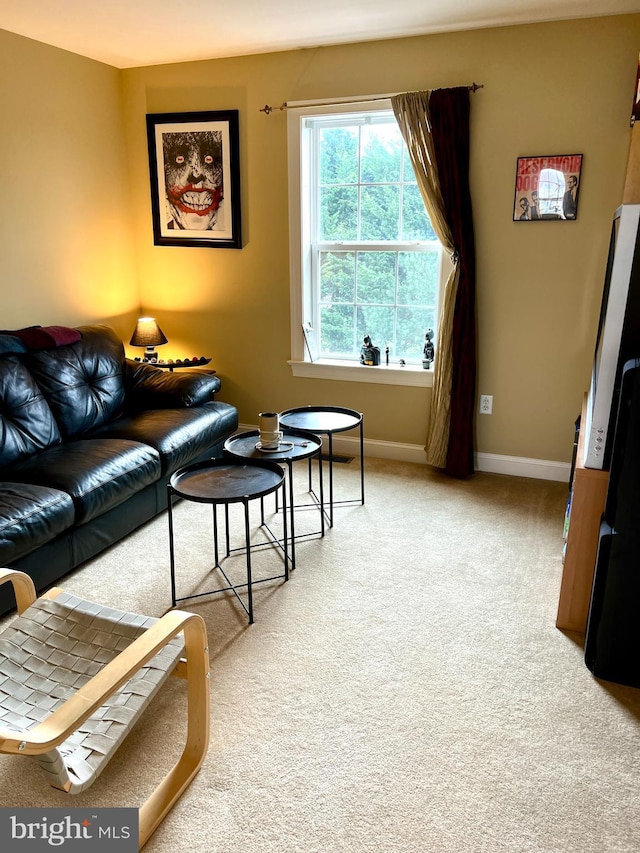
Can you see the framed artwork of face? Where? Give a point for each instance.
(195, 178)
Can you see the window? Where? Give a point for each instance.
(365, 259)
(551, 189)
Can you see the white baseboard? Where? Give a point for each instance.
(349, 446)
(492, 463)
(520, 466)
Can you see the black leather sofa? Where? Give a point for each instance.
(88, 441)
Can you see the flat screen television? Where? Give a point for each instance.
(618, 337)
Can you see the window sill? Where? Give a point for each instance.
(349, 371)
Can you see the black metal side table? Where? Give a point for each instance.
(295, 445)
(224, 482)
(328, 420)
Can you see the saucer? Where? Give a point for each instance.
(282, 445)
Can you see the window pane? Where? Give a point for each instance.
(381, 153)
(339, 213)
(339, 155)
(418, 274)
(415, 222)
(376, 276)
(377, 322)
(551, 188)
(363, 208)
(412, 326)
(337, 276)
(337, 330)
(380, 213)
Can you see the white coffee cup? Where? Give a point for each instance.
(270, 433)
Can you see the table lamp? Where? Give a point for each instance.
(148, 334)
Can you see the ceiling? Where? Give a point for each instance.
(130, 33)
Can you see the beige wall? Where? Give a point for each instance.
(549, 88)
(65, 243)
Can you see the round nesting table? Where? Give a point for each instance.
(224, 482)
(328, 420)
(295, 446)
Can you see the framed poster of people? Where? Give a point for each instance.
(547, 187)
(195, 179)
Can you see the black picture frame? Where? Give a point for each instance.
(547, 187)
(203, 145)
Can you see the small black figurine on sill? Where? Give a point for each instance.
(429, 349)
(368, 353)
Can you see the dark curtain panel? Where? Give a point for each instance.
(449, 110)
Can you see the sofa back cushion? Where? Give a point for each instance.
(83, 382)
(26, 421)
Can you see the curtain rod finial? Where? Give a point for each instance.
(475, 86)
(269, 109)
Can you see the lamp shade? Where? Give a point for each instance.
(147, 333)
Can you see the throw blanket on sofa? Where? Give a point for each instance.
(37, 338)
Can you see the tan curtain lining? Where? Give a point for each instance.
(412, 114)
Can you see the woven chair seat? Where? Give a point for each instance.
(75, 676)
(55, 647)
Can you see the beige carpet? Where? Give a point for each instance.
(407, 690)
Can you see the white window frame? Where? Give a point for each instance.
(300, 259)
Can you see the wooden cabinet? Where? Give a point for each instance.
(589, 490)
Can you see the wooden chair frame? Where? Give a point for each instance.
(194, 667)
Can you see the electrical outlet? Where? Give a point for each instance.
(486, 404)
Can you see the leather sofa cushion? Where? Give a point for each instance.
(26, 421)
(153, 388)
(179, 435)
(83, 382)
(30, 516)
(98, 473)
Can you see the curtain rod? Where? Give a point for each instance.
(287, 105)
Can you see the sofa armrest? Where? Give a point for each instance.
(149, 387)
